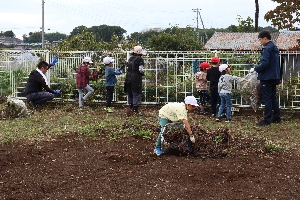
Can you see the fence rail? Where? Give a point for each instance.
(169, 76)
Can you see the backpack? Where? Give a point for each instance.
(130, 68)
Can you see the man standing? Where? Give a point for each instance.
(269, 76)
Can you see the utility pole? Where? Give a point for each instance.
(206, 38)
(43, 27)
(196, 10)
(199, 15)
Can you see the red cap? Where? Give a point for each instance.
(204, 65)
(215, 59)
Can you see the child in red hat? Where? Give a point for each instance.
(213, 75)
(201, 86)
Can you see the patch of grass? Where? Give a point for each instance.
(58, 119)
(270, 146)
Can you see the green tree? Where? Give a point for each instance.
(245, 25)
(176, 39)
(9, 34)
(55, 36)
(105, 32)
(232, 28)
(77, 30)
(34, 37)
(285, 15)
(143, 36)
(84, 41)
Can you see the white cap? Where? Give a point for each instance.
(138, 50)
(87, 59)
(223, 67)
(107, 60)
(191, 100)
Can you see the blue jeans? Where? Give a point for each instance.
(225, 101)
(268, 93)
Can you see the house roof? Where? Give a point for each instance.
(249, 41)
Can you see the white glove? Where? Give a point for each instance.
(192, 138)
(251, 70)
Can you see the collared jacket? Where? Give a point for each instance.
(269, 68)
(36, 83)
(82, 76)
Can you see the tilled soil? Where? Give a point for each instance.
(80, 167)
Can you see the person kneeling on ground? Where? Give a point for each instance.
(36, 82)
(173, 112)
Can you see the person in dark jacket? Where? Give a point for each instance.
(133, 80)
(269, 76)
(110, 81)
(213, 75)
(36, 82)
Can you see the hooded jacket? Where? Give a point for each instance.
(269, 68)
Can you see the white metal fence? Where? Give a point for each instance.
(169, 76)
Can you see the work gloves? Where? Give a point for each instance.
(56, 91)
(54, 60)
(192, 138)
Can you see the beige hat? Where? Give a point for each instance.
(138, 50)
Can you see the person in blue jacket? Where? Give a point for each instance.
(110, 81)
(269, 76)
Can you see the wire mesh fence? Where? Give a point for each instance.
(169, 76)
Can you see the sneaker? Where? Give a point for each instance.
(34, 105)
(218, 119)
(109, 110)
(158, 151)
(213, 115)
(263, 123)
(228, 121)
(276, 121)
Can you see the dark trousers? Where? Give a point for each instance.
(40, 97)
(268, 93)
(134, 99)
(214, 100)
(109, 95)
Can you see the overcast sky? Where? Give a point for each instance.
(24, 16)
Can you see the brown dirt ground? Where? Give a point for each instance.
(79, 167)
